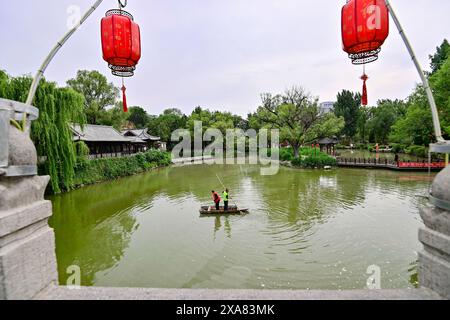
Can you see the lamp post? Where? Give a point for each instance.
(25, 112)
(55, 50)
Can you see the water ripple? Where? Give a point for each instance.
(306, 229)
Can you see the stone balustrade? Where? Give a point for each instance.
(27, 244)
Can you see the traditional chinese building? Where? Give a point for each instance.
(328, 145)
(142, 134)
(106, 142)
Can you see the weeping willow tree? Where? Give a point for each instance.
(51, 133)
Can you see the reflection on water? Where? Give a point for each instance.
(218, 225)
(306, 229)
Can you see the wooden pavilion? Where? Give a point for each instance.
(328, 145)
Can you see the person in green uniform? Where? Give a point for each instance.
(225, 199)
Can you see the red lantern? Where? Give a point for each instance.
(365, 27)
(121, 44)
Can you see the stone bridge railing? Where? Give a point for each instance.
(27, 245)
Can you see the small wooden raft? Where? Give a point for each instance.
(231, 210)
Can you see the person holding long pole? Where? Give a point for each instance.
(225, 200)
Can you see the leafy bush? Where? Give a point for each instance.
(157, 156)
(418, 151)
(286, 154)
(297, 162)
(361, 146)
(307, 152)
(81, 149)
(92, 171)
(319, 161)
(398, 148)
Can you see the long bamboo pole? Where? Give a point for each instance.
(223, 185)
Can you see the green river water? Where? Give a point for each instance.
(307, 229)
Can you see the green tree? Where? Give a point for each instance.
(328, 126)
(138, 116)
(240, 122)
(216, 119)
(365, 115)
(441, 55)
(222, 121)
(383, 117)
(164, 124)
(204, 116)
(173, 111)
(348, 106)
(97, 92)
(297, 115)
(3, 84)
(51, 133)
(416, 127)
(254, 122)
(440, 82)
(113, 116)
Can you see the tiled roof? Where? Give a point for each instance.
(97, 133)
(141, 133)
(328, 141)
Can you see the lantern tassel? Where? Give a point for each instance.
(364, 97)
(124, 97)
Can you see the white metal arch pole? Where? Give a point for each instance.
(426, 85)
(55, 50)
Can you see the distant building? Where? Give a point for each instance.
(326, 107)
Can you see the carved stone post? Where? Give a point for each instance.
(27, 245)
(434, 260)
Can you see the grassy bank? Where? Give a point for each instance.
(99, 170)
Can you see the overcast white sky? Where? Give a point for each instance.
(223, 54)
